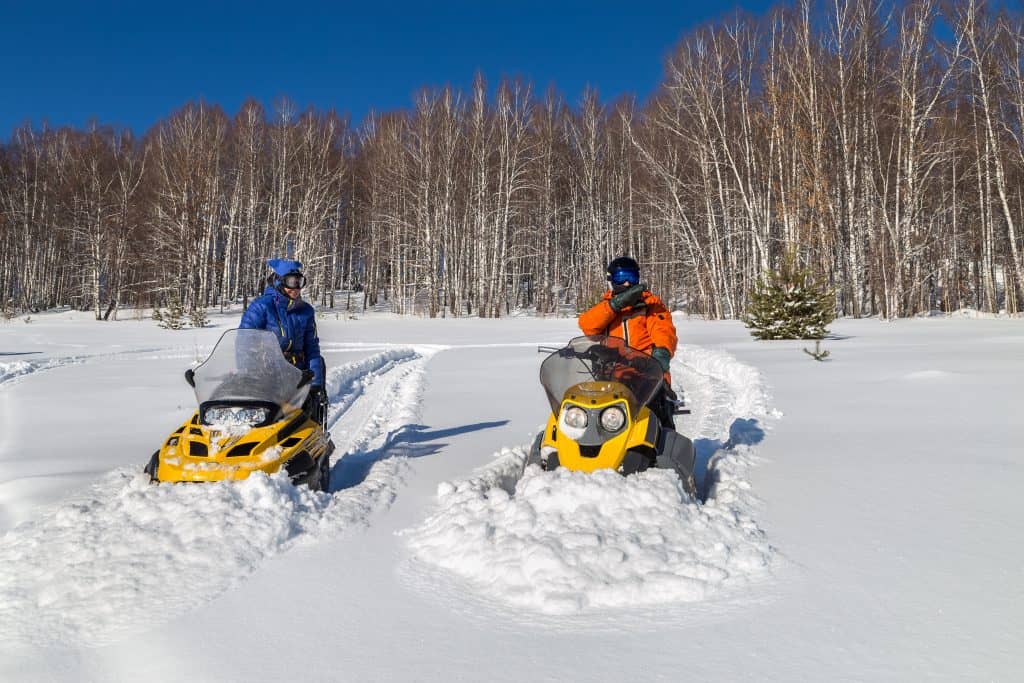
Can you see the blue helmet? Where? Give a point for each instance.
(287, 274)
(283, 267)
(622, 270)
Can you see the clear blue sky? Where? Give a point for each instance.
(133, 63)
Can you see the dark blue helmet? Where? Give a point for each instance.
(623, 270)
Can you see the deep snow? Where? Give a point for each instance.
(862, 519)
(566, 543)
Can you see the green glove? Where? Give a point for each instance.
(662, 356)
(627, 297)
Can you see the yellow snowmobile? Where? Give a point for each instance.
(250, 418)
(598, 388)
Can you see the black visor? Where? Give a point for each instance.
(293, 281)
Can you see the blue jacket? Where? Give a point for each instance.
(294, 324)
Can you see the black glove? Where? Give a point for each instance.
(662, 356)
(316, 404)
(627, 297)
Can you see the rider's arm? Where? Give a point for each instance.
(255, 317)
(311, 347)
(597, 319)
(660, 327)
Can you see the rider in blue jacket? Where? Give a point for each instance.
(282, 311)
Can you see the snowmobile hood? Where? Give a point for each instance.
(201, 453)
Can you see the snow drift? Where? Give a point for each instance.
(126, 553)
(564, 542)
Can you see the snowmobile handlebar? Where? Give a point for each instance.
(570, 352)
(678, 406)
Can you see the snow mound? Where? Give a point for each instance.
(100, 564)
(719, 389)
(566, 542)
(972, 314)
(14, 369)
(347, 383)
(126, 554)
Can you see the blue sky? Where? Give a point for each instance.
(133, 63)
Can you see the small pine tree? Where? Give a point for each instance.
(197, 317)
(790, 303)
(173, 319)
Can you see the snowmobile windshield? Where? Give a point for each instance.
(600, 359)
(247, 367)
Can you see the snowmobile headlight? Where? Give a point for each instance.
(575, 417)
(613, 418)
(254, 416)
(235, 417)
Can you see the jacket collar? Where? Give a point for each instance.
(279, 298)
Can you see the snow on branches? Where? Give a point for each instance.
(790, 303)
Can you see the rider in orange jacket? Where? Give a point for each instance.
(628, 310)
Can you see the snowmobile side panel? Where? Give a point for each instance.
(675, 452)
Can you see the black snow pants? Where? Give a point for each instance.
(662, 406)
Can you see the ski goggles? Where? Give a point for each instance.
(621, 277)
(293, 281)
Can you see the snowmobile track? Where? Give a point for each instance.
(125, 555)
(565, 543)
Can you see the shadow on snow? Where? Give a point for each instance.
(411, 441)
(742, 432)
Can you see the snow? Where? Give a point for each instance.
(108, 561)
(859, 518)
(568, 543)
(102, 563)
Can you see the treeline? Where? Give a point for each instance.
(879, 143)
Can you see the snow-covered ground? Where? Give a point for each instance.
(859, 519)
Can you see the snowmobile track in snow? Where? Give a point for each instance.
(568, 543)
(12, 371)
(125, 555)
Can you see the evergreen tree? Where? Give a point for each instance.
(173, 318)
(197, 317)
(790, 303)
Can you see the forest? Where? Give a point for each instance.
(878, 143)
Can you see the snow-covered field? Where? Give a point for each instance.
(859, 519)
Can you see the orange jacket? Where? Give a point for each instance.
(644, 325)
